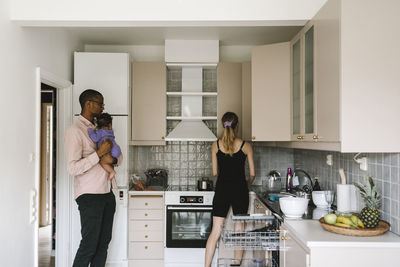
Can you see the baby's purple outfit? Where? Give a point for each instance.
(99, 135)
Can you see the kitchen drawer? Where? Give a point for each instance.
(147, 263)
(146, 250)
(146, 215)
(146, 225)
(145, 236)
(146, 202)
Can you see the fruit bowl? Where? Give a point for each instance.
(382, 228)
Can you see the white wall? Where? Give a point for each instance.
(22, 50)
(157, 12)
(233, 53)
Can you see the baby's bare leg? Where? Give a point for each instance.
(109, 168)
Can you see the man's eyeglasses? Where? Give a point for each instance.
(98, 103)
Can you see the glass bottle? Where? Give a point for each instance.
(289, 177)
(316, 187)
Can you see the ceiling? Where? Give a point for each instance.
(228, 35)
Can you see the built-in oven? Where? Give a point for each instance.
(188, 226)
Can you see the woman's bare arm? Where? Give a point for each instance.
(214, 150)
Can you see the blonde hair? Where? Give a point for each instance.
(229, 122)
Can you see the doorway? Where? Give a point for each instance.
(47, 180)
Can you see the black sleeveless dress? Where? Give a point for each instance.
(231, 187)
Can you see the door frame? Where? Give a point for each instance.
(63, 180)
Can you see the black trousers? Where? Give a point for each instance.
(97, 216)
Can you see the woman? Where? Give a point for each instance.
(228, 164)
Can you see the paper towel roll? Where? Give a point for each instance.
(344, 197)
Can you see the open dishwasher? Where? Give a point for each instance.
(259, 240)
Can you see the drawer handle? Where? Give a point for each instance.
(145, 214)
(145, 225)
(146, 236)
(283, 237)
(145, 247)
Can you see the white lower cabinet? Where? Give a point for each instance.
(146, 229)
(305, 244)
(293, 253)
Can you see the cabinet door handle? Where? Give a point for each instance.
(300, 137)
(315, 137)
(253, 138)
(283, 237)
(162, 137)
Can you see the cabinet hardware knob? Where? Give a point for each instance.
(253, 138)
(300, 137)
(162, 137)
(258, 206)
(315, 137)
(283, 237)
(145, 225)
(146, 204)
(145, 236)
(145, 247)
(145, 214)
(278, 230)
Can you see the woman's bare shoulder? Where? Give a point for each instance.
(247, 147)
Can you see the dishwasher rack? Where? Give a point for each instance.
(268, 240)
(247, 263)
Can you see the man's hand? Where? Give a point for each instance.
(107, 159)
(104, 148)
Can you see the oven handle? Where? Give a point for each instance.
(189, 208)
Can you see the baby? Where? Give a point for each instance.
(102, 132)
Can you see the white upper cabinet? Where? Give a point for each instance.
(148, 103)
(302, 86)
(357, 74)
(270, 93)
(107, 73)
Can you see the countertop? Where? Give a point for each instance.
(312, 234)
(145, 192)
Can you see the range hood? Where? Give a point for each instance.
(192, 56)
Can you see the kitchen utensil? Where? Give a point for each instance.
(301, 178)
(318, 213)
(342, 176)
(293, 207)
(382, 228)
(272, 183)
(204, 184)
(318, 198)
(156, 177)
(329, 196)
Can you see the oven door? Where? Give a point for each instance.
(188, 226)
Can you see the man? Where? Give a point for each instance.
(92, 187)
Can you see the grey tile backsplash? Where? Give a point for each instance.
(383, 167)
(186, 162)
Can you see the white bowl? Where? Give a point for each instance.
(293, 207)
(318, 213)
(318, 198)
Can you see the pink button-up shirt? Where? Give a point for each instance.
(83, 162)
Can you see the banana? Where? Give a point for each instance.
(342, 225)
(348, 222)
(360, 223)
(354, 219)
(339, 219)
